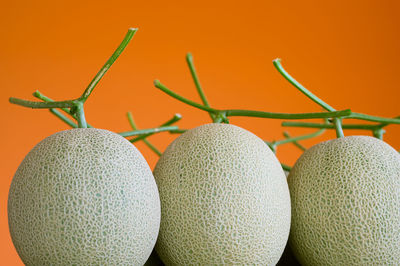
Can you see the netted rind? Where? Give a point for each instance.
(346, 203)
(224, 199)
(84, 197)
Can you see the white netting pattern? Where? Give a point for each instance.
(346, 203)
(224, 199)
(84, 197)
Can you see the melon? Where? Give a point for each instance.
(224, 199)
(84, 197)
(346, 203)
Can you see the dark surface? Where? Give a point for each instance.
(154, 260)
(288, 258)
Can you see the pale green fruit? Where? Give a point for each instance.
(84, 197)
(346, 203)
(224, 199)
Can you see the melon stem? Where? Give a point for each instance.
(131, 32)
(173, 120)
(189, 61)
(80, 114)
(147, 131)
(250, 113)
(338, 127)
(75, 107)
(178, 131)
(328, 126)
(337, 121)
(147, 142)
(64, 118)
(297, 85)
(273, 145)
(57, 113)
(295, 142)
(298, 138)
(41, 105)
(383, 120)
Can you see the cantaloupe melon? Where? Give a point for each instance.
(224, 199)
(346, 203)
(84, 197)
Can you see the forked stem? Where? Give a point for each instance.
(173, 120)
(75, 107)
(309, 94)
(251, 113)
(147, 142)
(296, 143)
(63, 118)
(57, 113)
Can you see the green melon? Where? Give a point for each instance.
(224, 199)
(346, 203)
(84, 197)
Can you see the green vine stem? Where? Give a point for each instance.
(377, 129)
(173, 120)
(295, 83)
(328, 126)
(378, 133)
(44, 98)
(338, 123)
(80, 114)
(371, 118)
(57, 113)
(163, 88)
(42, 105)
(63, 118)
(178, 131)
(296, 143)
(338, 127)
(298, 138)
(189, 60)
(131, 32)
(373, 128)
(76, 106)
(384, 124)
(274, 144)
(147, 142)
(147, 131)
(309, 94)
(250, 113)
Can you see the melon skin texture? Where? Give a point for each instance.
(346, 203)
(224, 199)
(84, 197)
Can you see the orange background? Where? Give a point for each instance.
(346, 52)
